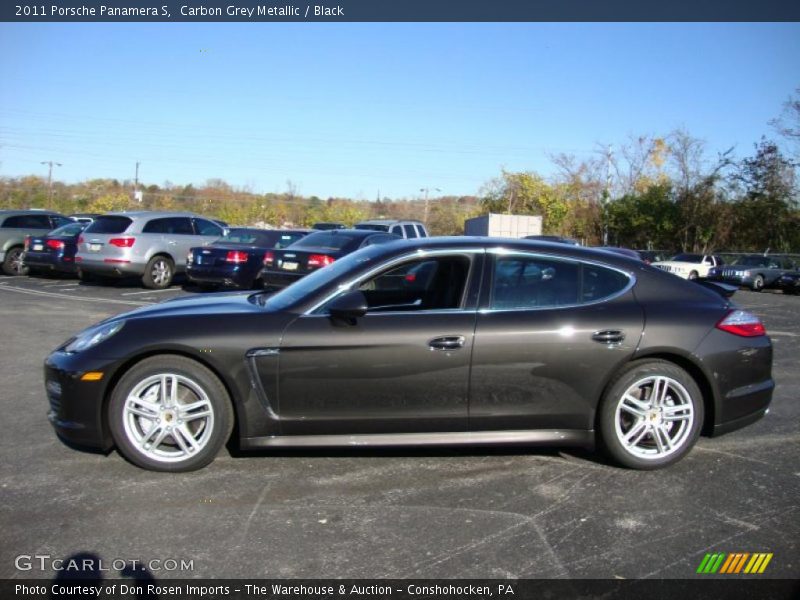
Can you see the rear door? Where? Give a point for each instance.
(403, 367)
(549, 332)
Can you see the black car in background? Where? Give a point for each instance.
(755, 271)
(789, 282)
(328, 226)
(320, 249)
(432, 342)
(236, 259)
(54, 252)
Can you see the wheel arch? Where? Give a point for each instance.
(692, 368)
(128, 364)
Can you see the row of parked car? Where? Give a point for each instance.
(156, 246)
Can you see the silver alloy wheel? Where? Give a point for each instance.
(168, 417)
(17, 261)
(654, 417)
(161, 273)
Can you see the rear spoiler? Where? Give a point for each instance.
(725, 290)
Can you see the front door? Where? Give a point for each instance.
(402, 367)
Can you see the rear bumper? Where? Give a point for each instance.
(46, 261)
(110, 269)
(231, 276)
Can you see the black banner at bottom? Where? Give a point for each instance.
(65, 588)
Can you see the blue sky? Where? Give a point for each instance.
(353, 109)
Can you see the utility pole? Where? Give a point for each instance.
(136, 184)
(607, 193)
(427, 203)
(50, 164)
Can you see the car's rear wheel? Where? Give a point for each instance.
(651, 415)
(758, 283)
(170, 413)
(158, 273)
(14, 263)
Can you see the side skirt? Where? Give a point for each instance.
(542, 437)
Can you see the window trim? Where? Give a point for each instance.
(484, 304)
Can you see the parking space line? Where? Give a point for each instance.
(149, 292)
(73, 297)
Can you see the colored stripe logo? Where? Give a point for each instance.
(735, 563)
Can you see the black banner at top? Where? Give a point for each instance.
(398, 10)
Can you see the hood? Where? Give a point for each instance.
(220, 304)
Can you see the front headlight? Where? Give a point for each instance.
(93, 336)
(746, 274)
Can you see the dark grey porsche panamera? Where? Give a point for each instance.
(427, 342)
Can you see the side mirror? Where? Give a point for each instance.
(349, 306)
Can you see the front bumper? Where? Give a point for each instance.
(76, 407)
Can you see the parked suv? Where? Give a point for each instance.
(151, 245)
(404, 229)
(15, 226)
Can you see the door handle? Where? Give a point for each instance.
(608, 336)
(449, 342)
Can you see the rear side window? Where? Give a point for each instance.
(110, 224)
(170, 225)
(422, 232)
(521, 282)
(27, 222)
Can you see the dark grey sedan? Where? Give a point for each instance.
(755, 271)
(431, 342)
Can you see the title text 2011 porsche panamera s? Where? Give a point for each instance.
(431, 342)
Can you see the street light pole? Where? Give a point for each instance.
(50, 164)
(427, 203)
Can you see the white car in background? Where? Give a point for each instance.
(690, 266)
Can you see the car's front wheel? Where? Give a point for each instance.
(651, 415)
(170, 413)
(758, 283)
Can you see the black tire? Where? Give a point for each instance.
(13, 263)
(649, 447)
(158, 273)
(171, 427)
(758, 283)
(693, 275)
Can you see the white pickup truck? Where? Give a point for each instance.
(690, 266)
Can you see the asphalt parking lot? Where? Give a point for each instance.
(453, 513)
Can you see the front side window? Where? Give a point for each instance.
(434, 283)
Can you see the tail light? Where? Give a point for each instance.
(27, 242)
(410, 277)
(320, 260)
(123, 242)
(236, 256)
(55, 244)
(190, 258)
(742, 323)
(80, 239)
(269, 258)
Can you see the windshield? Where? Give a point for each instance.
(320, 279)
(689, 258)
(752, 261)
(68, 229)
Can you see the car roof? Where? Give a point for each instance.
(388, 222)
(152, 213)
(350, 232)
(28, 211)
